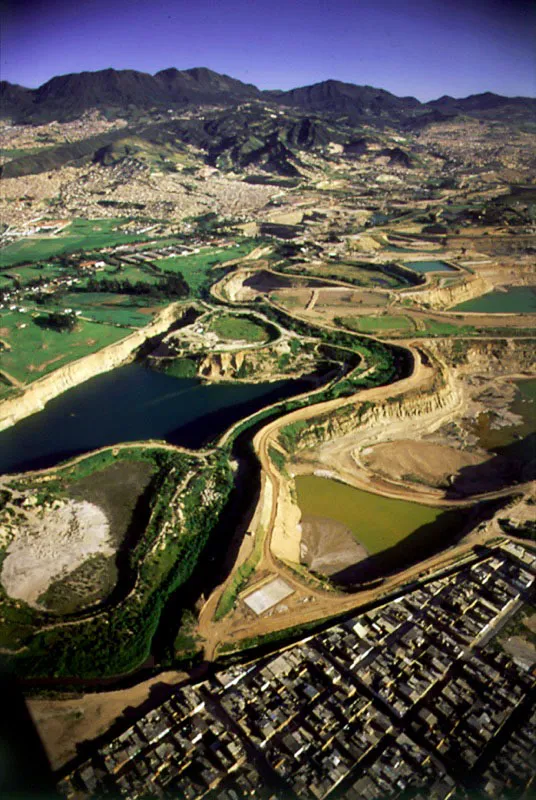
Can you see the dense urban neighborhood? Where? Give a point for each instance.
(413, 694)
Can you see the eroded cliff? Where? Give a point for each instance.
(441, 297)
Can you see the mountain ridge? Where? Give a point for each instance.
(65, 97)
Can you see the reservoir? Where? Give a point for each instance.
(516, 300)
(133, 403)
(429, 266)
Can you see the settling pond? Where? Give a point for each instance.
(133, 403)
(393, 532)
(514, 444)
(516, 300)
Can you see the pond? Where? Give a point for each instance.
(516, 300)
(429, 266)
(393, 533)
(133, 403)
(376, 522)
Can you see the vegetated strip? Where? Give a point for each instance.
(117, 638)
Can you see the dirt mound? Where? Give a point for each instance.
(328, 546)
(52, 545)
(425, 462)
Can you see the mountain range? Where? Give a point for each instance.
(127, 92)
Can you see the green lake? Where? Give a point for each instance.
(429, 266)
(378, 523)
(516, 300)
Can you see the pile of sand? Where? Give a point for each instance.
(328, 546)
(52, 545)
(406, 459)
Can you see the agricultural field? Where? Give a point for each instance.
(79, 235)
(32, 351)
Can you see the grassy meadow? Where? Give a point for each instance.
(33, 351)
(81, 234)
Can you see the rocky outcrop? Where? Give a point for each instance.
(488, 356)
(222, 366)
(446, 296)
(37, 394)
(271, 363)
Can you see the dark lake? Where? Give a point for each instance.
(133, 403)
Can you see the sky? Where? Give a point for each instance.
(423, 48)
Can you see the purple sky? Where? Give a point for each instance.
(424, 48)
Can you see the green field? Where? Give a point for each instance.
(132, 273)
(229, 326)
(113, 309)
(381, 324)
(80, 235)
(5, 282)
(434, 328)
(27, 274)
(35, 351)
(196, 268)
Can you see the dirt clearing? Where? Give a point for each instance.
(406, 459)
(63, 724)
(53, 544)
